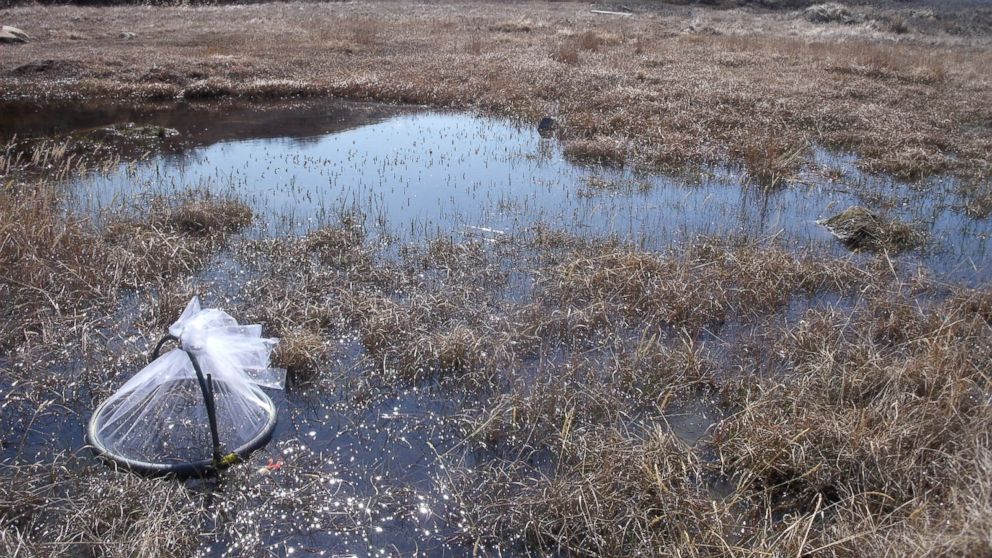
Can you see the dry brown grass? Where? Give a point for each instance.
(639, 87)
(769, 163)
(853, 430)
(860, 229)
(693, 287)
(567, 52)
(881, 427)
(301, 352)
(59, 508)
(49, 264)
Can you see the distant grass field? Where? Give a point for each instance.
(668, 86)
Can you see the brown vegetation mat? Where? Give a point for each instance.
(667, 86)
(858, 427)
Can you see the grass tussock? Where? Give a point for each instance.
(59, 268)
(301, 352)
(698, 286)
(862, 229)
(50, 265)
(600, 149)
(517, 26)
(612, 495)
(862, 429)
(770, 164)
(197, 215)
(566, 52)
(864, 419)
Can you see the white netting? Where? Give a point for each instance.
(159, 415)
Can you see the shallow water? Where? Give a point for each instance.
(418, 174)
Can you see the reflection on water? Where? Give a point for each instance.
(418, 173)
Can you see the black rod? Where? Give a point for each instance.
(161, 342)
(208, 400)
(206, 389)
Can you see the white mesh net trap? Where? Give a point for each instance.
(198, 407)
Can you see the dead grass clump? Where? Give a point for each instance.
(278, 89)
(390, 331)
(208, 216)
(891, 415)
(590, 40)
(459, 348)
(977, 200)
(474, 46)
(898, 25)
(143, 252)
(861, 229)
(195, 214)
(301, 351)
(909, 163)
(423, 336)
(661, 370)
(705, 283)
(294, 299)
(211, 88)
(54, 266)
(164, 239)
(893, 63)
(96, 512)
(566, 52)
(598, 149)
(338, 245)
(832, 12)
(770, 163)
(166, 301)
(517, 26)
(611, 494)
(366, 32)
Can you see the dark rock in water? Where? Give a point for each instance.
(10, 35)
(547, 126)
(860, 229)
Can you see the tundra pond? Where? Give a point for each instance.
(466, 313)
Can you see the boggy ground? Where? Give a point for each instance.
(851, 396)
(906, 88)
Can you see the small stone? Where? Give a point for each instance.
(547, 126)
